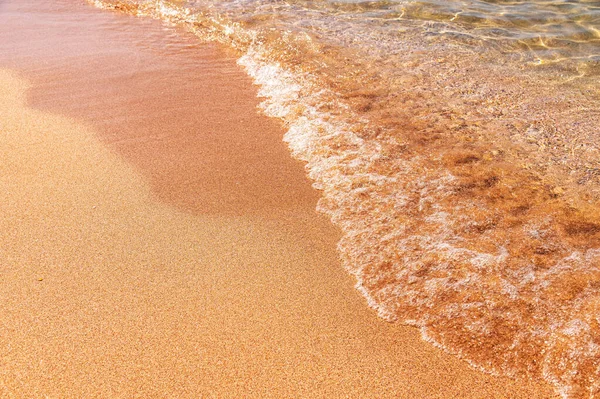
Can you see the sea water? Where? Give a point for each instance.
(456, 145)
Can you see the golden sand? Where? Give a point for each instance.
(148, 253)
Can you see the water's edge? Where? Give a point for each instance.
(442, 230)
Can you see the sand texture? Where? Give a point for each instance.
(156, 239)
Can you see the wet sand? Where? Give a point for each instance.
(159, 241)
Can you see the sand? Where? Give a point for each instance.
(157, 240)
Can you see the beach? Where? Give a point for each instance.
(158, 240)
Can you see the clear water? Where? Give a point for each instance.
(456, 146)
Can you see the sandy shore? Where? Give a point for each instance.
(158, 241)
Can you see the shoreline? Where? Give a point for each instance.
(169, 273)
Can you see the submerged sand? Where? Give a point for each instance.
(158, 240)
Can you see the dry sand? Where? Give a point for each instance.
(158, 241)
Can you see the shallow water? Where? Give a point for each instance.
(455, 145)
